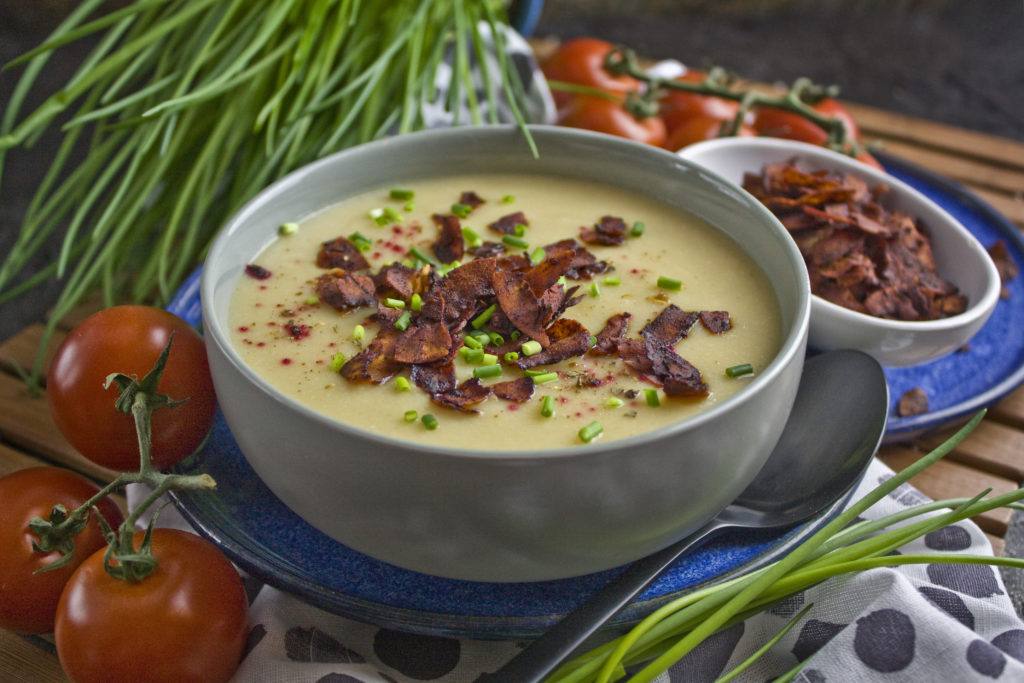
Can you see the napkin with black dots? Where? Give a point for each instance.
(932, 622)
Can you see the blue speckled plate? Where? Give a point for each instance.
(962, 383)
(268, 540)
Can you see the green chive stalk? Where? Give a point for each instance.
(188, 108)
(840, 547)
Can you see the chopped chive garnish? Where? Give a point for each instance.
(613, 280)
(471, 237)
(378, 216)
(511, 357)
(311, 301)
(508, 199)
(362, 242)
(416, 302)
(482, 319)
(408, 262)
(519, 229)
(669, 283)
(337, 361)
(288, 228)
(591, 431)
(429, 421)
(537, 255)
(401, 384)
(514, 241)
(487, 371)
(739, 370)
(358, 332)
(530, 347)
(393, 303)
(495, 339)
(463, 350)
(490, 359)
(462, 210)
(515, 335)
(545, 377)
(474, 356)
(652, 397)
(637, 229)
(547, 406)
(403, 321)
(472, 342)
(392, 214)
(612, 402)
(561, 280)
(593, 340)
(410, 416)
(594, 289)
(418, 253)
(409, 207)
(533, 372)
(402, 194)
(482, 336)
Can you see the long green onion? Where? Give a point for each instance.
(185, 109)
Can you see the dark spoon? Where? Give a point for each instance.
(833, 431)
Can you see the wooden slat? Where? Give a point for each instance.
(991, 447)
(1012, 208)
(998, 545)
(21, 349)
(12, 460)
(27, 659)
(1010, 409)
(947, 479)
(999, 151)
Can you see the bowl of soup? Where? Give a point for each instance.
(875, 296)
(466, 359)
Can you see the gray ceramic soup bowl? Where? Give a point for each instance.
(513, 515)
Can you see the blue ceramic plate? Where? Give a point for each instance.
(962, 383)
(268, 540)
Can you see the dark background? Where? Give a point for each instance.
(955, 61)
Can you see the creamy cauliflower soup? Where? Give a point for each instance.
(501, 312)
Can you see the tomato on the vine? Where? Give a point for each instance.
(779, 123)
(186, 621)
(581, 61)
(128, 340)
(610, 116)
(28, 601)
(677, 107)
(698, 129)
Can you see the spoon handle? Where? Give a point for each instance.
(544, 655)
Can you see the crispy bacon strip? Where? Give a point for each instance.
(610, 231)
(516, 390)
(519, 304)
(376, 362)
(611, 334)
(671, 325)
(344, 290)
(569, 339)
(463, 397)
(423, 344)
(340, 253)
(470, 198)
(506, 225)
(716, 322)
(449, 246)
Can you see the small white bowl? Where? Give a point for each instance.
(959, 257)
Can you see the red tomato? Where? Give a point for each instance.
(867, 158)
(698, 129)
(677, 106)
(778, 123)
(128, 339)
(609, 116)
(28, 601)
(581, 61)
(187, 621)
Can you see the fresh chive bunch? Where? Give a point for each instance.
(187, 108)
(843, 546)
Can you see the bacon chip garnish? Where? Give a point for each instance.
(376, 362)
(455, 297)
(449, 246)
(340, 253)
(913, 402)
(463, 397)
(859, 254)
(423, 344)
(516, 390)
(568, 339)
(610, 231)
(344, 290)
(471, 199)
(435, 378)
(611, 334)
(716, 322)
(487, 249)
(506, 225)
(1004, 265)
(400, 281)
(519, 304)
(671, 325)
(584, 264)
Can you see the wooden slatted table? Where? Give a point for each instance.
(992, 457)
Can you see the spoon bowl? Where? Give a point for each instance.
(817, 462)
